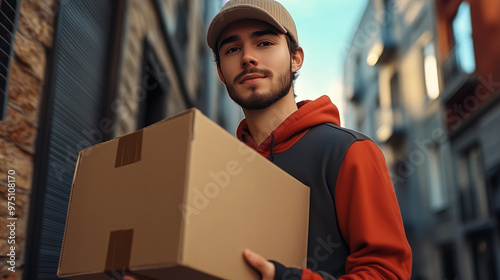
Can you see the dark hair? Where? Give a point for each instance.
(293, 47)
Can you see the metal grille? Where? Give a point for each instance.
(9, 13)
(76, 102)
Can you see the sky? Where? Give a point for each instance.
(325, 29)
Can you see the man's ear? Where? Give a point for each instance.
(297, 60)
(221, 77)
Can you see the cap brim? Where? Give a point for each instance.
(233, 14)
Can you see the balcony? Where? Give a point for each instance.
(456, 81)
(384, 46)
(382, 50)
(391, 124)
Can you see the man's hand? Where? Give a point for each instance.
(265, 267)
(262, 265)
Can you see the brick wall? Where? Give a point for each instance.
(18, 130)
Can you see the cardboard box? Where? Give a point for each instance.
(180, 199)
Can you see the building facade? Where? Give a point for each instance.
(76, 73)
(422, 79)
(468, 41)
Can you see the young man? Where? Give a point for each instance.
(355, 228)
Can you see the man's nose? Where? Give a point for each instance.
(249, 58)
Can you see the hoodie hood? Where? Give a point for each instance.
(309, 114)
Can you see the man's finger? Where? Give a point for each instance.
(265, 267)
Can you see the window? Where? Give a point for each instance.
(181, 32)
(354, 79)
(437, 190)
(483, 256)
(494, 186)
(152, 93)
(431, 71)
(474, 202)
(448, 262)
(395, 92)
(9, 13)
(462, 34)
(398, 117)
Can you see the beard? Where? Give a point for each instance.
(261, 100)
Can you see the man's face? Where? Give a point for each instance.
(255, 64)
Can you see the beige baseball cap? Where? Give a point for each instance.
(269, 11)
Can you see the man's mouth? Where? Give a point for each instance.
(251, 78)
(251, 75)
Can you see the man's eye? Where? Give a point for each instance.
(265, 43)
(231, 50)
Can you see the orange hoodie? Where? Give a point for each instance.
(310, 113)
(355, 227)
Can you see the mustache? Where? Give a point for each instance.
(264, 72)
